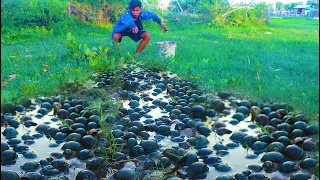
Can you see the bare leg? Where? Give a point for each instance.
(145, 39)
(116, 37)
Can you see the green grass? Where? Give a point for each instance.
(281, 66)
(39, 66)
(278, 62)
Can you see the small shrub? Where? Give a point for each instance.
(26, 13)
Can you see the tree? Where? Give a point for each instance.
(291, 6)
(313, 3)
(279, 6)
(150, 4)
(200, 6)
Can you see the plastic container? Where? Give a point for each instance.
(166, 49)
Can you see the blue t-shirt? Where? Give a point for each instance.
(127, 21)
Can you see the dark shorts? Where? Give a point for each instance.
(136, 37)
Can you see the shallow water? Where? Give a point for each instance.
(41, 146)
(236, 157)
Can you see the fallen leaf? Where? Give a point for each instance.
(195, 77)
(12, 77)
(258, 77)
(4, 84)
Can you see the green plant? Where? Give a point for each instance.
(75, 48)
(265, 130)
(247, 147)
(157, 174)
(216, 136)
(103, 108)
(32, 12)
(98, 58)
(97, 12)
(50, 138)
(109, 152)
(64, 122)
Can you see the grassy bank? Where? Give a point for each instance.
(276, 63)
(37, 62)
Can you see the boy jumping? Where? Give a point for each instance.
(130, 24)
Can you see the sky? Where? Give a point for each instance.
(270, 1)
(267, 1)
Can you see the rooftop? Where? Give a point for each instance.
(302, 6)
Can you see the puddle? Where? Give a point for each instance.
(236, 158)
(41, 146)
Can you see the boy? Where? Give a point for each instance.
(130, 24)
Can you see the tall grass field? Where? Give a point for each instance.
(277, 62)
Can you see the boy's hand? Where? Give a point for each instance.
(164, 27)
(135, 29)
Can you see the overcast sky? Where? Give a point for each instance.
(247, 1)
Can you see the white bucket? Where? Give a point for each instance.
(166, 49)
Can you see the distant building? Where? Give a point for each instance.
(302, 9)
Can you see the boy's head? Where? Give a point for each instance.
(135, 8)
(134, 3)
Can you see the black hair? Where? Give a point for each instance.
(135, 3)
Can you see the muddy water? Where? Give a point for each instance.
(42, 146)
(236, 157)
